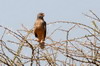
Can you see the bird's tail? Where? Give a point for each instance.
(42, 45)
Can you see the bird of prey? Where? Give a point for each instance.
(40, 29)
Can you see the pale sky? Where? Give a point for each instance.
(13, 13)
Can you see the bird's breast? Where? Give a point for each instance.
(39, 24)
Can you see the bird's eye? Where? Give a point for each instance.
(41, 14)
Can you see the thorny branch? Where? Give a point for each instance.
(22, 50)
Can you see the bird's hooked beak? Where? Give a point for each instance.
(41, 15)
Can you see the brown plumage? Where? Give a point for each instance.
(40, 29)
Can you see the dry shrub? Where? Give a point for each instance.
(67, 44)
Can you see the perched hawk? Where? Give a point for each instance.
(40, 29)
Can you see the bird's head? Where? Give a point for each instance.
(40, 15)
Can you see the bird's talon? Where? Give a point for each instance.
(37, 39)
(42, 42)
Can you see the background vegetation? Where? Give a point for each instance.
(67, 44)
